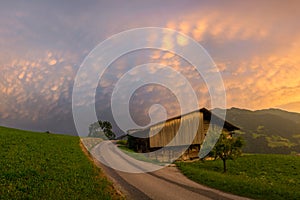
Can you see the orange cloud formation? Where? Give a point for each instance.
(268, 79)
(29, 89)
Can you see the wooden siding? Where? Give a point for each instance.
(169, 134)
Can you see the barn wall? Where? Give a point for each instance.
(168, 133)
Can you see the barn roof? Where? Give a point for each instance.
(218, 120)
(207, 115)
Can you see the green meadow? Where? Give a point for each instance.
(257, 176)
(48, 166)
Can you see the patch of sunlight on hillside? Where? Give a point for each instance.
(297, 136)
(278, 141)
(257, 135)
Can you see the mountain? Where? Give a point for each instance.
(267, 131)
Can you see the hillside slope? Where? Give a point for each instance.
(47, 166)
(267, 131)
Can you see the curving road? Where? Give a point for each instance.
(165, 183)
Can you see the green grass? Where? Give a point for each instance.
(48, 166)
(255, 176)
(139, 156)
(122, 142)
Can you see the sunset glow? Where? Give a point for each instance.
(255, 45)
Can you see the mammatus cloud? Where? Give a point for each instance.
(254, 44)
(267, 74)
(36, 89)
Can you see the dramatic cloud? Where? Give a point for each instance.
(255, 45)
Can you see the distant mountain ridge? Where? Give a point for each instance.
(268, 130)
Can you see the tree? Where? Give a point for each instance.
(102, 130)
(228, 147)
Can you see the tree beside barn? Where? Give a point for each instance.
(227, 147)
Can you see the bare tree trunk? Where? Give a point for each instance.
(224, 165)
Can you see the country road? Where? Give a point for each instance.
(164, 183)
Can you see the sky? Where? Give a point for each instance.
(254, 44)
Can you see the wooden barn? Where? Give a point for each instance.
(181, 132)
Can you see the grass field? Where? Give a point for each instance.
(256, 176)
(48, 166)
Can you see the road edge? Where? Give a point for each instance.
(119, 191)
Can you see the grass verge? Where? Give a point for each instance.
(140, 156)
(48, 166)
(255, 176)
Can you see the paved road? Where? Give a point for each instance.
(165, 183)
